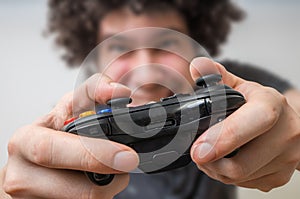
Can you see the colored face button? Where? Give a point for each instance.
(104, 111)
(87, 113)
(68, 121)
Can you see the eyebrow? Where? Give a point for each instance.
(161, 33)
(167, 31)
(115, 36)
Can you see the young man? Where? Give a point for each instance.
(42, 167)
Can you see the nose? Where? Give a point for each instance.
(145, 68)
(143, 57)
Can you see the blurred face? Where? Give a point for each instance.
(153, 62)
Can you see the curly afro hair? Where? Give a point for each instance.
(75, 22)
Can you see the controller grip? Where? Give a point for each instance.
(100, 179)
(105, 179)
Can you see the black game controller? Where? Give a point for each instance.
(162, 132)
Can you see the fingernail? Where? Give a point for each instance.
(204, 152)
(118, 85)
(125, 161)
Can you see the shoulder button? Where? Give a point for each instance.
(208, 80)
(119, 102)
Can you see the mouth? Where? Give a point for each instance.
(149, 93)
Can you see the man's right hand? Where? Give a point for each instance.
(45, 162)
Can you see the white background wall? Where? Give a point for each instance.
(33, 78)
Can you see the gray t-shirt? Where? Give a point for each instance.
(184, 183)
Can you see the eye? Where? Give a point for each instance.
(168, 44)
(118, 48)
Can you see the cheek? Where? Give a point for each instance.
(117, 69)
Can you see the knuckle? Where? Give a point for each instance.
(230, 132)
(231, 173)
(292, 160)
(279, 101)
(13, 184)
(41, 152)
(277, 180)
(283, 179)
(11, 187)
(90, 163)
(102, 86)
(12, 147)
(265, 189)
(268, 187)
(235, 172)
(270, 114)
(105, 91)
(294, 131)
(225, 179)
(53, 120)
(17, 139)
(232, 138)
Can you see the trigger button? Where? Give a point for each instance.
(208, 80)
(175, 96)
(119, 102)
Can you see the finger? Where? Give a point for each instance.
(272, 167)
(254, 155)
(97, 89)
(3, 194)
(246, 162)
(234, 173)
(203, 66)
(66, 183)
(286, 161)
(57, 149)
(58, 115)
(224, 137)
(268, 182)
(265, 181)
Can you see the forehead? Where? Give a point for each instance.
(123, 20)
